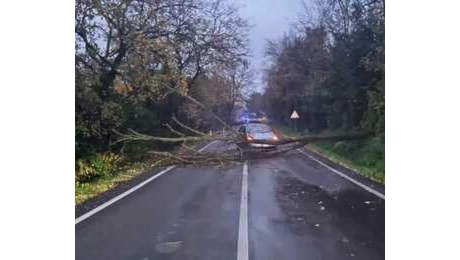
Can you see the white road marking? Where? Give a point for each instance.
(206, 146)
(243, 248)
(126, 193)
(343, 175)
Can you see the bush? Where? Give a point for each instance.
(84, 172)
(96, 167)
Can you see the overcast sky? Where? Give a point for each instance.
(270, 20)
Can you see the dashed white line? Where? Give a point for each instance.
(243, 248)
(343, 175)
(126, 193)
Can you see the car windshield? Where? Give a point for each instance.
(258, 128)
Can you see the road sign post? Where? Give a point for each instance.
(294, 117)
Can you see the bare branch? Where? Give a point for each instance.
(191, 149)
(226, 126)
(187, 127)
(174, 130)
(171, 155)
(135, 136)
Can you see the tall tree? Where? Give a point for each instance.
(130, 54)
(331, 67)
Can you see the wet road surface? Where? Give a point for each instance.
(297, 209)
(300, 211)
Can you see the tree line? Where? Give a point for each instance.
(136, 60)
(330, 68)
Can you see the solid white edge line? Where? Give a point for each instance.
(343, 175)
(126, 193)
(243, 247)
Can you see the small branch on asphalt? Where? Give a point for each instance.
(188, 148)
(172, 156)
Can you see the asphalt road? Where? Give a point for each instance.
(292, 208)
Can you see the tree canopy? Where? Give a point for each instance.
(131, 54)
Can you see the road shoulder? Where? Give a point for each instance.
(345, 170)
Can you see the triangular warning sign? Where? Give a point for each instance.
(294, 115)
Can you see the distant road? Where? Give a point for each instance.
(295, 206)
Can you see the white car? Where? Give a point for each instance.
(254, 132)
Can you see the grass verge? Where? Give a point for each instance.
(87, 190)
(371, 165)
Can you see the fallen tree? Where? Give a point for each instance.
(238, 147)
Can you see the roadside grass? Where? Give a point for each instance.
(361, 158)
(366, 157)
(87, 190)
